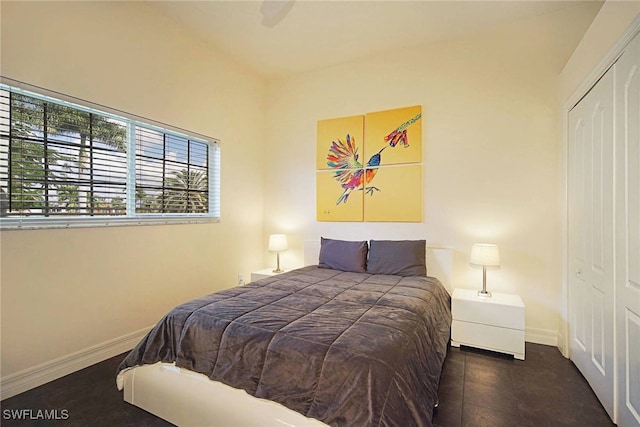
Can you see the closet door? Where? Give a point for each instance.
(591, 242)
(628, 234)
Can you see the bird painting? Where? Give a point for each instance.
(344, 158)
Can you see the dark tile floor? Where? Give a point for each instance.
(480, 388)
(477, 389)
(89, 396)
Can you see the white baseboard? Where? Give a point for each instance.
(541, 336)
(48, 371)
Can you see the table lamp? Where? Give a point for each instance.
(277, 244)
(484, 255)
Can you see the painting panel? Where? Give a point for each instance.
(334, 202)
(395, 136)
(338, 131)
(394, 194)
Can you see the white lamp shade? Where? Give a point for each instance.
(278, 243)
(484, 254)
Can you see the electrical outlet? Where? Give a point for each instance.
(240, 279)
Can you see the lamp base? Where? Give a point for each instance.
(484, 293)
(278, 269)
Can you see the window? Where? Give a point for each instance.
(171, 173)
(65, 164)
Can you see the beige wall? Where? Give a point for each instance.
(66, 290)
(491, 158)
(612, 20)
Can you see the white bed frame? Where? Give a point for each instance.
(186, 398)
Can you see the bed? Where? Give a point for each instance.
(350, 340)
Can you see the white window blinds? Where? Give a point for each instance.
(63, 163)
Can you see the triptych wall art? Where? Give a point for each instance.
(369, 167)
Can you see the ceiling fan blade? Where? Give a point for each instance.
(273, 11)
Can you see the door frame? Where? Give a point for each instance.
(596, 74)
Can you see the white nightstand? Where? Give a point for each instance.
(495, 323)
(261, 274)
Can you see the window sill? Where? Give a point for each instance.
(105, 221)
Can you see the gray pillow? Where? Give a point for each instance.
(343, 255)
(398, 257)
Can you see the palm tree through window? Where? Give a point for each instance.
(60, 159)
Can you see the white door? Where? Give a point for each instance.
(591, 242)
(628, 234)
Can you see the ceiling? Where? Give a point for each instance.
(309, 34)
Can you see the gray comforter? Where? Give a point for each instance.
(349, 349)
